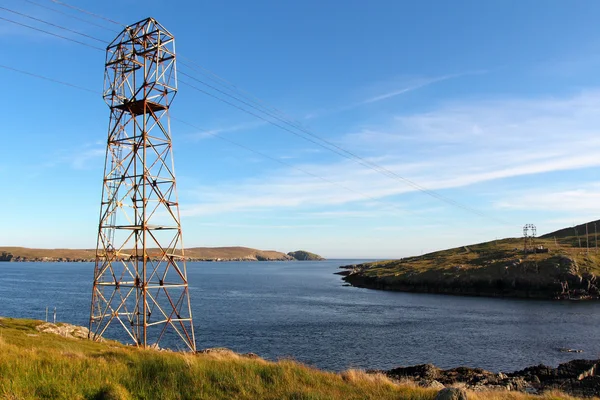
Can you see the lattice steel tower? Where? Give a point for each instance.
(140, 280)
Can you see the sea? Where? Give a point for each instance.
(303, 311)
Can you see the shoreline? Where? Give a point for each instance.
(464, 291)
(562, 280)
(576, 377)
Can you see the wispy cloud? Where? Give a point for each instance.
(208, 133)
(262, 226)
(581, 200)
(408, 86)
(81, 160)
(416, 84)
(454, 146)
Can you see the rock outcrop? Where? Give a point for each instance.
(451, 394)
(577, 377)
(64, 330)
(302, 255)
(554, 277)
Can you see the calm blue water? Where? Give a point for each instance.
(301, 310)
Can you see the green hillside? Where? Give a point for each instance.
(559, 265)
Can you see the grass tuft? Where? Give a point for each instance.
(112, 391)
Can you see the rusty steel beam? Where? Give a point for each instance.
(140, 280)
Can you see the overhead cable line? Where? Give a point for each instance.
(87, 12)
(330, 146)
(69, 15)
(53, 34)
(188, 62)
(338, 149)
(51, 24)
(49, 79)
(313, 138)
(304, 171)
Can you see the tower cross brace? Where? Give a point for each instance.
(140, 286)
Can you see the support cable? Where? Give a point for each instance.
(306, 134)
(69, 15)
(49, 79)
(52, 34)
(87, 12)
(225, 139)
(346, 154)
(51, 24)
(304, 171)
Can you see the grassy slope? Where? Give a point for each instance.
(498, 252)
(194, 252)
(492, 260)
(36, 365)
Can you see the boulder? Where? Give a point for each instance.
(431, 384)
(451, 394)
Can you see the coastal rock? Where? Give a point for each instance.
(302, 255)
(431, 384)
(556, 277)
(64, 330)
(451, 394)
(577, 377)
(421, 371)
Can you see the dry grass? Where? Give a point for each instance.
(52, 367)
(495, 395)
(208, 253)
(489, 259)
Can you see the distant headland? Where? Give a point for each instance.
(23, 254)
(564, 264)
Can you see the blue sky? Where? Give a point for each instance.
(494, 105)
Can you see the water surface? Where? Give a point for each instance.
(301, 310)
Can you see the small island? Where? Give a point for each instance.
(561, 265)
(302, 255)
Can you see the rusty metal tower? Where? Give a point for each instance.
(140, 280)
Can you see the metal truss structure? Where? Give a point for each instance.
(140, 280)
(529, 233)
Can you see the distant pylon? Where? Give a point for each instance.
(529, 233)
(140, 280)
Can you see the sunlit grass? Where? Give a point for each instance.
(36, 365)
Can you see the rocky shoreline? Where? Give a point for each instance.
(558, 278)
(577, 377)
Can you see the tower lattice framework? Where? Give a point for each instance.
(140, 280)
